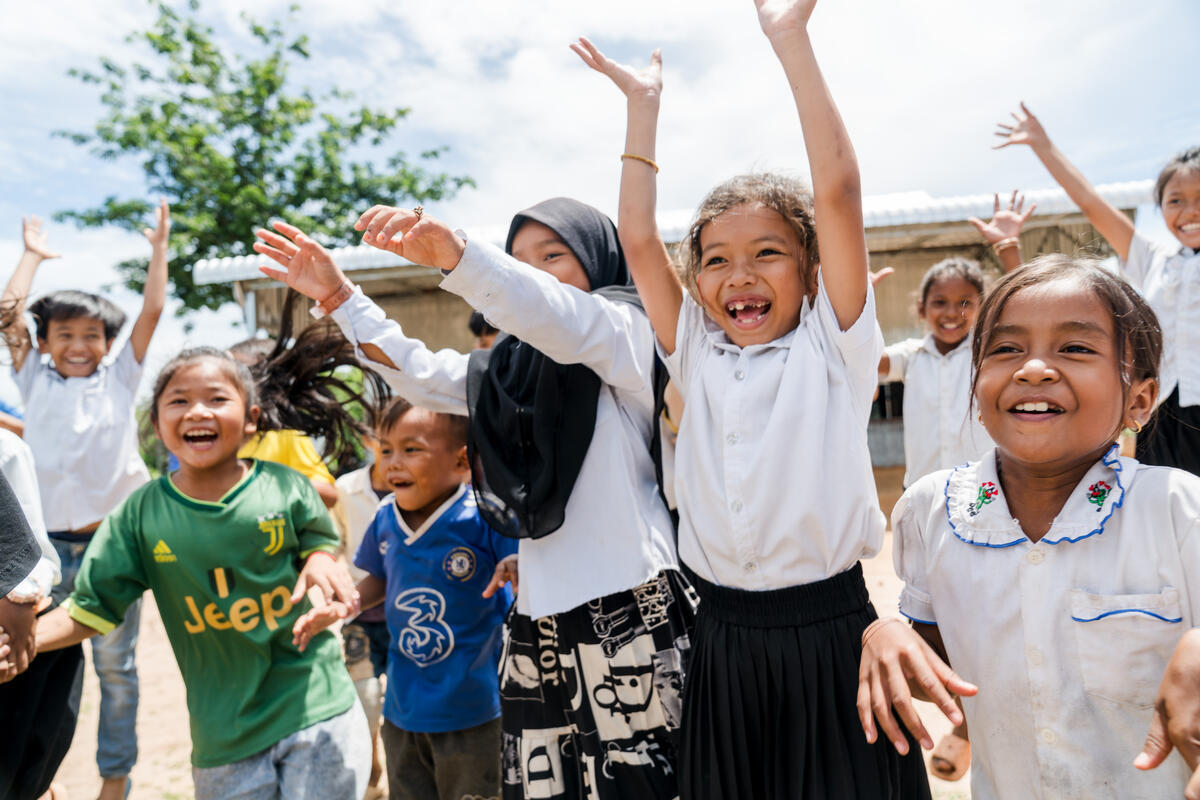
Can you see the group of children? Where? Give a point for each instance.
(731, 652)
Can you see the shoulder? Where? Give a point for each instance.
(926, 498)
(1153, 487)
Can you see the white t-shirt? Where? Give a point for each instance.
(1067, 639)
(1168, 276)
(939, 429)
(617, 533)
(772, 473)
(83, 437)
(355, 510)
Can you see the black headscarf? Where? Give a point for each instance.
(531, 418)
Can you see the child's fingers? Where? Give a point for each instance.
(270, 252)
(902, 702)
(1028, 213)
(1192, 791)
(1158, 744)
(995, 203)
(290, 231)
(285, 246)
(377, 222)
(863, 703)
(365, 218)
(882, 708)
(979, 224)
(400, 222)
(280, 275)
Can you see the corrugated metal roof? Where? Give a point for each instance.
(907, 208)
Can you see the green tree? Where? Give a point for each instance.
(226, 142)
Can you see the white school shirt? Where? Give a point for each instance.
(772, 473)
(1168, 276)
(16, 462)
(83, 437)
(616, 534)
(1067, 639)
(354, 512)
(939, 429)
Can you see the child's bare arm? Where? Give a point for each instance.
(58, 629)
(154, 296)
(1003, 233)
(1115, 227)
(1176, 720)
(837, 188)
(653, 273)
(17, 290)
(371, 591)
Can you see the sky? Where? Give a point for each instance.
(919, 84)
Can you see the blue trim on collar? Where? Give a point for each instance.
(1110, 459)
(1125, 611)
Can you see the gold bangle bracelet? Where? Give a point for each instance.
(642, 159)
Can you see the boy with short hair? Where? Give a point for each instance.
(79, 423)
(429, 557)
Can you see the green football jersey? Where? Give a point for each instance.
(222, 574)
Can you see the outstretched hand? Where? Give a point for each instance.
(307, 266)
(160, 234)
(315, 620)
(331, 578)
(636, 84)
(416, 236)
(506, 572)
(1176, 720)
(1027, 130)
(35, 238)
(1006, 222)
(784, 17)
(895, 660)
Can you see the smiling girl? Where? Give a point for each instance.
(229, 547)
(1055, 574)
(1168, 276)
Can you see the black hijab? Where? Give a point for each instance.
(531, 418)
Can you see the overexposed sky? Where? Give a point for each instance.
(920, 85)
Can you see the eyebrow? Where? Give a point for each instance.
(770, 237)
(1080, 326)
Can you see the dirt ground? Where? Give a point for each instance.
(163, 770)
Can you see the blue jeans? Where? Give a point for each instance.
(112, 657)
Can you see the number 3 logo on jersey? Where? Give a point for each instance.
(425, 638)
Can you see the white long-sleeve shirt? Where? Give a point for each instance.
(617, 533)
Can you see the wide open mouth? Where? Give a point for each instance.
(200, 438)
(747, 312)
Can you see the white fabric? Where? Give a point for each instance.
(354, 512)
(16, 462)
(83, 437)
(772, 472)
(617, 533)
(939, 429)
(1168, 276)
(1068, 638)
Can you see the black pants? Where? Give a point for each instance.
(1173, 437)
(590, 698)
(769, 705)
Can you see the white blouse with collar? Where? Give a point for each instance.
(1066, 638)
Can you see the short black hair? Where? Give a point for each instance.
(455, 425)
(72, 304)
(480, 326)
(1187, 160)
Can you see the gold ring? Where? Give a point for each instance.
(418, 210)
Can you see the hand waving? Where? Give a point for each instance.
(784, 17)
(1027, 130)
(1006, 222)
(307, 267)
(634, 83)
(422, 239)
(35, 238)
(159, 236)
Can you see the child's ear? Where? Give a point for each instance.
(251, 426)
(42, 344)
(461, 462)
(1140, 406)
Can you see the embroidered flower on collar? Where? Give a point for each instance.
(1098, 493)
(987, 493)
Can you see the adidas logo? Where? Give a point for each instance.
(162, 553)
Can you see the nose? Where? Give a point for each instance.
(198, 410)
(741, 273)
(1035, 370)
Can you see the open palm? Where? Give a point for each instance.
(633, 82)
(307, 266)
(1006, 223)
(1027, 130)
(36, 238)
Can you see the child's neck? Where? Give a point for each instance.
(213, 483)
(1037, 493)
(947, 347)
(417, 517)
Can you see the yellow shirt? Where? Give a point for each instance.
(290, 448)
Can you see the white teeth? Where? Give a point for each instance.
(1033, 407)
(1191, 227)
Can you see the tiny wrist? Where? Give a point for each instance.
(1005, 244)
(316, 553)
(874, 627)
(334, 300)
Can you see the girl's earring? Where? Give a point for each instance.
(1136, 426)
(979, 416)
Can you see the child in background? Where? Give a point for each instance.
(229, 548)
(1168, 276)
(776, 362)
(1055, 574)
(483, 331)
(939, 429)
(429, 556)
(79, 424)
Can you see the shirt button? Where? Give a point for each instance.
(739, 374)
(736, 505)
(1036, 556)
(1048, 736)
(1035, 656)
(732, 438)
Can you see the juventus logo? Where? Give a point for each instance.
(273, 525)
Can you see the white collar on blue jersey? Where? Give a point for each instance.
(410, 535)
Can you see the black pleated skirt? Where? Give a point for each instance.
(1173, 438)
(769, 702)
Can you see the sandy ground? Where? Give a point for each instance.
(163, 771)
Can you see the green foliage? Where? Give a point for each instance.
(230, 147)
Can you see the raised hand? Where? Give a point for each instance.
(159, 236)
(307, 266)
(784, 17)
(635, 83)
(1027, 130)
(35, 238)
(893, 657)
(1006, 222)
(411, 234)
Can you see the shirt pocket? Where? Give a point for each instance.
(1124, 642)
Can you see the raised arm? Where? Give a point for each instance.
(154, 295)
(1115, 227)
(645, 253)
(12, 319)
(837, 189)
(1003, 233)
